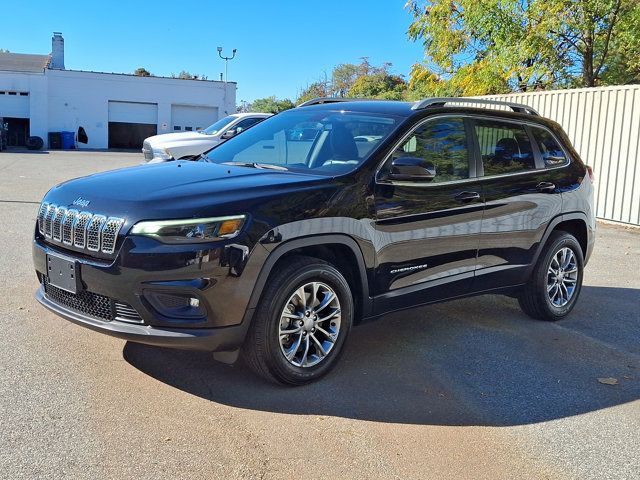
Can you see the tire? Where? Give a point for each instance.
(540, 299)
(263, 351)
(34, 143)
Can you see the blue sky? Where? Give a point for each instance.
(282, 45)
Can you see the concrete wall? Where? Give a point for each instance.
(604, 126)
(82, 99)
(66, 99)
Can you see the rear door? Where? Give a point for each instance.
(427, 232)
(521, 197)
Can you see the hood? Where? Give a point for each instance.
(180, 189)
(160, 140)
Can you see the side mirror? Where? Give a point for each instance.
(228, 134)
(413, 169)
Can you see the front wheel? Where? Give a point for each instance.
(556, 281)
(301, 323)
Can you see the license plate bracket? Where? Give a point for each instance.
(63, 273)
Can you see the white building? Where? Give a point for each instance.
(38, 95)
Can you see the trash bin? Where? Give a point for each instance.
(68, 140)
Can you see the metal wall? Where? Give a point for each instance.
(604, 126)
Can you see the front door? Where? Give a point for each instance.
(427, 232)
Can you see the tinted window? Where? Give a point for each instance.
(505, 147)
(442, 143)
(550, 149)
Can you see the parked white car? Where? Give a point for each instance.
(174, 146)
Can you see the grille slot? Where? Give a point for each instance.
(94, 228)
(80, 229)
(92, 304)
(110, 232)
(126, 313)
(67, 226)
(48, 220)
(56, 229)
(41, 214)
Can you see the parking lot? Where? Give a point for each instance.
(466, 389)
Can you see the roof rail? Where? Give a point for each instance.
(442, 101)
(319, 100)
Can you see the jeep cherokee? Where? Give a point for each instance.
(274, 244)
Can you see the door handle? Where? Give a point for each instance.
(546, 187)
(467, 196)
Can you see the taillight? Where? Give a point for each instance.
(590, 172)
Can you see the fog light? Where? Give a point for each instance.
(176, 305)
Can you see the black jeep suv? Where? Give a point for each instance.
(275, 244)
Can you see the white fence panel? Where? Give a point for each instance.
(604, 126)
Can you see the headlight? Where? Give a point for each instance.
(161, 153)
(191, 230)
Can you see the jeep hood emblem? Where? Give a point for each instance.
(81, 202)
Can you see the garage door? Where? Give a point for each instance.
(187, 117)
(14, 104)
(130, 123)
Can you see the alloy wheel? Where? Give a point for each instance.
(562, 277)
(309, 324)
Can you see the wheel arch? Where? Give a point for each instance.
(574, 223)
(340, 250)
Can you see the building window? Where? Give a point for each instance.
(188, 129)
(24, 94)
(177, 127)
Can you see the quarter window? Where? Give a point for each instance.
(550, 149)
(443, 144)
(505, 147)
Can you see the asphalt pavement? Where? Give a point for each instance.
(466, 389)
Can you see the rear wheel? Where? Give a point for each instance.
(556, 281)
(301, 323)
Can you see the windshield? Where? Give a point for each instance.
(218, 126)
(308, 140)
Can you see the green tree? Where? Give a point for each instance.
(4, 50)
(142, 72)
(343, 77)
(314, 90)
(496, 46)
(271, 105)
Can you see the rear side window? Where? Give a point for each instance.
(442, 143)
(550, 149)
(505, 147)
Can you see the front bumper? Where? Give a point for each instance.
(209, 339)
(119, 296)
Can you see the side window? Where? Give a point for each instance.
(505, 147)
(246, 123)
(550, 149)
(443, 144)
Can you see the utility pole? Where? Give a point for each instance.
(226, 62)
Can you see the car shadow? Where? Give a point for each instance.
(477, 361)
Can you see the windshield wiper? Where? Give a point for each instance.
(264, 166)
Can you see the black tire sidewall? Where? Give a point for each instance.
(277, 363)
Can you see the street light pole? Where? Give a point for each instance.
(226, 62)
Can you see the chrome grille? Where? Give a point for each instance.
(57, 224)
(94, 232)
(80, 229)
(110, 232)
(126, 313)
(67, 226)
(147, 151)
(94, 228)
(48, 220)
